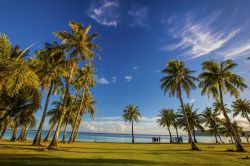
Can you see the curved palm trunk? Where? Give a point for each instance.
(53, 144)
(216, 140)
(194, 135)
(64, 133)
(3, 132)
(170, 135)
(37, 140)
(49, 132)
(133, 139)
(20, 138)
(77, 116)
(177, 134)
(238, 145)
(193, 145)
(14, 132)
(25, 135)
(247, 117)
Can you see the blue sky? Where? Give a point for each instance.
(137, 38)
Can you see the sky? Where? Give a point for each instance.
(137, 39)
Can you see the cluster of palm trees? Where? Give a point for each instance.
(216, 80)
(64, 69)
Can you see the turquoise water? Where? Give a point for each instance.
(107, 137)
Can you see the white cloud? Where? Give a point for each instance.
(101, 80)
(234, 52)
(139, 15)
(197, 38)
(105, 12)
(192, 101)
(128, 78)
(114, 79)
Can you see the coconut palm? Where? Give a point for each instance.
(79, 44)
(85, 79)
(50, 66)
(166, 119)
(54, 114)
(194, 119)
(131, 114)
(218, 79)
(241, 107)
(88, 107)
(211, 120)
(29, 122)
(178, 78)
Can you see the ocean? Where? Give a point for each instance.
(111, 137)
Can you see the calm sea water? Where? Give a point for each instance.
(107, 137)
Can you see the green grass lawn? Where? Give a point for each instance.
(88, 153)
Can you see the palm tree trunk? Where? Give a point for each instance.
(170, 135)
(238, 145)
(37, 140)
(133, 139)
(64, 133)
(216, 140)
(78, 114)
(25, 134)
(20, 138)
(13, 138)
(193, 145)
(246, 115)
(194, 135)
(177, 134)
(3, 132)
(53, 144)
(77, 129)
(49, 132)
(247, 138)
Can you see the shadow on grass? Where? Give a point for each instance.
(27, 159)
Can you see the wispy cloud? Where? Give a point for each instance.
(138, 15)
(114, 79)
(196, 38)
(101, 80)
(105, 12)
(128, 78)
(236, 51)
(135, 67)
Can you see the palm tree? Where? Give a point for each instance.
(131, 114)
(89, 107)
(54, 114)
(78, 44)
(194, 119)
(85, 79)
(211, 120)
(49, 64)
(166, 120)
(176, 124)
(29, 122)
(241, 106)
(218, 79)
(177, 78)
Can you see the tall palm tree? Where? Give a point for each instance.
(241, 107)
(54, 114)
(178, 78)
(211, 120)
(79, 44)
(29, 122)
(131, 114)
(218, 79)
(166, 119)
(85, 79)
(50, 66)
(194, 119)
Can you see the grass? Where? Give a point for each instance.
(90, 153)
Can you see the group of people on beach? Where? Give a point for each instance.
(156, 139)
